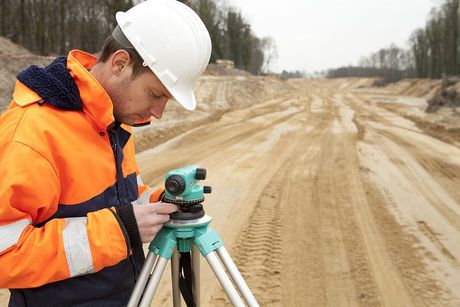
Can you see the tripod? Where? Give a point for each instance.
(184, 237)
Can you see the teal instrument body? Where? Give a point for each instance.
(186, 176)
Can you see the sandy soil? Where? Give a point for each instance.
(324, 196)
(14, 59)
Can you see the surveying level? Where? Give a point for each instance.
(182, 239)
(182, 189)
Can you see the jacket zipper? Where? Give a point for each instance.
(113, 144)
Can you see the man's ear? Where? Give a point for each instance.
(120, 60)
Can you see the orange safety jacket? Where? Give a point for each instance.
(65, 174)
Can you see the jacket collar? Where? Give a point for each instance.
(53, 84)
(97, 105)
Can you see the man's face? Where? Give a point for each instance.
(137, 99)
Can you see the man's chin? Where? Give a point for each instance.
(126, 120)
(138, 120)
(133, 120)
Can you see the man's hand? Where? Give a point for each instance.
(151, 217)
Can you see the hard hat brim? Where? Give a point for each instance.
(186, 100)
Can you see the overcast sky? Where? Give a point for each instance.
(319, 34)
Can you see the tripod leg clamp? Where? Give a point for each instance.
(207, 240)
(164, 243)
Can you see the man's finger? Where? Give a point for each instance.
(164, 208)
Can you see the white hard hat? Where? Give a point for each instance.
(173, 42)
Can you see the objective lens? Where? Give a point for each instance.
(175, 184)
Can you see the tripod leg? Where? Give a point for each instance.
(143, 277)
(154, 281)
(175, 279)
(224, 279)
(196, 256)
(236, 276)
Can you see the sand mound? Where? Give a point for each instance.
(425, 88)
(8, 48)
(219, 70)
(447, 96)
(216, 95)
(438, 93)
(14, 58)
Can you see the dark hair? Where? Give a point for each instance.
(111, 46)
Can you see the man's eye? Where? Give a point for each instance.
(156, 96)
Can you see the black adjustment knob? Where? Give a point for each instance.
(207, 189)
(200, 174)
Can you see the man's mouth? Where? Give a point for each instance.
(144, 117)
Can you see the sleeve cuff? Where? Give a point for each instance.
(126, 214)
(157, 195)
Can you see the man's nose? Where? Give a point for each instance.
(156, 110)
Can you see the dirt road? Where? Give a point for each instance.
(325, 198)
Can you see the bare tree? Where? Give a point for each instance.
(433, 51)
(270, 52)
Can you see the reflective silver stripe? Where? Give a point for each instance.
(139, 180)
(145, 197)
(10, 233)
(76, 246)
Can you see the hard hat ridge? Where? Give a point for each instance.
(202, 37)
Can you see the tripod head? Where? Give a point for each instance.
(182, 189)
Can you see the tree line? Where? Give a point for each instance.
(436, 48)
(433, 51)
(232, 37)
(389, 64)
(49, 27)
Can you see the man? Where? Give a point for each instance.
(73, 210)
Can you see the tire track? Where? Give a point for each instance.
(258, 251)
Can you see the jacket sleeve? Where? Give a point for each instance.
(31, 256)
(146, 193)
(149, 195)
